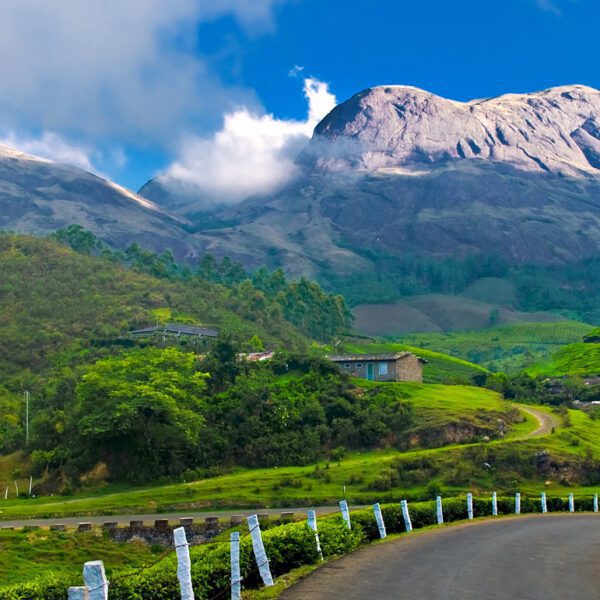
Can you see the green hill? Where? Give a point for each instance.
(504, 348)
(59, 307)
(574, 359)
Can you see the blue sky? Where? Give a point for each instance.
(132, 89)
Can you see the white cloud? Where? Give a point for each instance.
(251, 154)
(122, 68)
(52, 147)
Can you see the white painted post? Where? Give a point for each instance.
(470, 505)
(379, 519)
(406, 515)
(494, 504)
(17, 488)
(236, 578)
(345, 513)
(76, 593)
(544, 503)
(571, 503)
(6, 493)
(517, 503)
(30, 485)
(95, 580)
(184, 565)
(312, 523)
(595, 502)
(259, 550)
(438, 510)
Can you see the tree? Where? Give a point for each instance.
(141, 412)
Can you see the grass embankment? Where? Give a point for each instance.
(373, 476)
(440, 368)
(505, 348)
(25, 555)
(575, 360)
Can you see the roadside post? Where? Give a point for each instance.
(494, 504)
(234, 553)
(95, 580)
(439, 511)
(184, 565)
(345, 513)
(406, 516)
(595, 502)
(544, 503)
(470, 505)
(517, 503)
(379, 519)
(571, 503)
(312, 523)
(259, 550)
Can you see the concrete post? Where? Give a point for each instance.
(184, 565)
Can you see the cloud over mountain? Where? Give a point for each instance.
(251, 154)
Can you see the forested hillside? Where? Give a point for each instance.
(57, 305)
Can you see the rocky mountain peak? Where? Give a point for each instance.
(393, 126)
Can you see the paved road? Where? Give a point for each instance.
(546, 557)
(174, 517)
(545, 420)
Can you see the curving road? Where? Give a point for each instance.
(546, 557)
(546, 421)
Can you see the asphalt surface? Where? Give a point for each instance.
(174, 517)
(546, 557)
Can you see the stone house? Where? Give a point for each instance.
(399, 366)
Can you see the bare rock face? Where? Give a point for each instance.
(556, 131)
(396, 169)
(39, 196)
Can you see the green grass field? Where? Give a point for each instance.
(574, 359)
(506, 348)
(440, 368)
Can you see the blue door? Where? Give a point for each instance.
(370, 371)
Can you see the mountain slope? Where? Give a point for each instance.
(396, 170)
(39, 196)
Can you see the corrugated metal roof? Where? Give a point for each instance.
(178, 329)
(368, 357)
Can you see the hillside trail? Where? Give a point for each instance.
(546, 421)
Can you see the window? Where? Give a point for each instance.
(383, 368)
(347, 366)
(359, 365)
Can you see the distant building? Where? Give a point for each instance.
(400, 366)
(177, 330)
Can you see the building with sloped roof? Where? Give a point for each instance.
(398, 366)
(178, 330)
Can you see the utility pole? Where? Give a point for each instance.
(27, 418)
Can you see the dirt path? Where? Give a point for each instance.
(545, 420)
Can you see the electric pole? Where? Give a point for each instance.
(27, 418)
